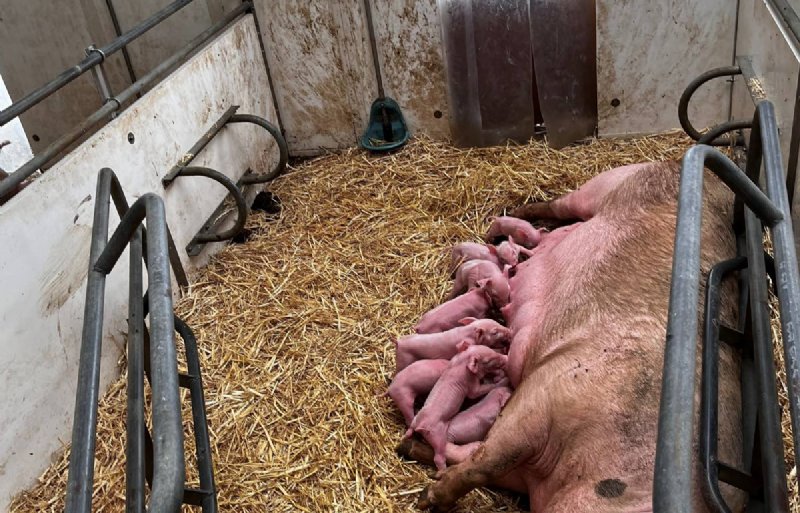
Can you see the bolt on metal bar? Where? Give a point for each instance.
(18, 108)
(30, 167)
(672, 490)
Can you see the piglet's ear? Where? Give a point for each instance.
(472, 364)
(492, 249)
(467, 320)
(511, 240)
(463, 346)
(479, 333)
(484, 283)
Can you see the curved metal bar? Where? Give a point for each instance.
(167, 491)
(710, 384)
(694, 85)
(672, 489)
(723, 128)
(276, 134)
(241, 205)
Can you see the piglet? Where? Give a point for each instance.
(415, 380)
(475, 303)
(470, 272)
(472, 424)
(508, 252)
(485, 332)
(522, 231)
(460, 380)
(467, 251)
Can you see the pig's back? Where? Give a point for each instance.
(598, 339)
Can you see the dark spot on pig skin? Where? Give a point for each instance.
(610, 488)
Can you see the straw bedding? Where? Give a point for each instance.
(294, 326)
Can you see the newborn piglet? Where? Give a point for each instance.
(521, 230)
(508, 252)
(459, 381)
(485, 332)
(471, 272)
(468, 251)
(472, 424)
(415, 380)
(475, 303)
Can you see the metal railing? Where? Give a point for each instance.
(673, 472)
(112, 104)
(157, 459)
(207, 232)
(169, 470)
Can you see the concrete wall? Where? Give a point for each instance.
(647, 52)
(320, 60)
(46, 232)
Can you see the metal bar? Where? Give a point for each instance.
(30, 167)
(723, 128)
(118, 31)
(752, 79)
(789, 16)
(772, 461)
(269, 72)
(710, 384)
(200, 422)
(787, 273)
(206, 138)
(169, 470)
(673, 466)
(134, 453)
(279, 139)
(374, 47)
(81, 460)
(241, 205)
(683, 103)
(35, 97)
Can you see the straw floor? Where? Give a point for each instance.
(295, 325)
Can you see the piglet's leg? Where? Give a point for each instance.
(509, 444)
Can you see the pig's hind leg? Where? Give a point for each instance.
(581, 204)
(455, 454)
(510, 444)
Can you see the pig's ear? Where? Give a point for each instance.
(511, 240)
(492, 249)
(467, 320)
(484, 284)
(463, 346)
(472, 364)
(479, 333)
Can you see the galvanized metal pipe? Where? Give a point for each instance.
(787, 273)
(169, 469)
(30, 167)
(18, 108)
(81, 460)
(672, 490)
